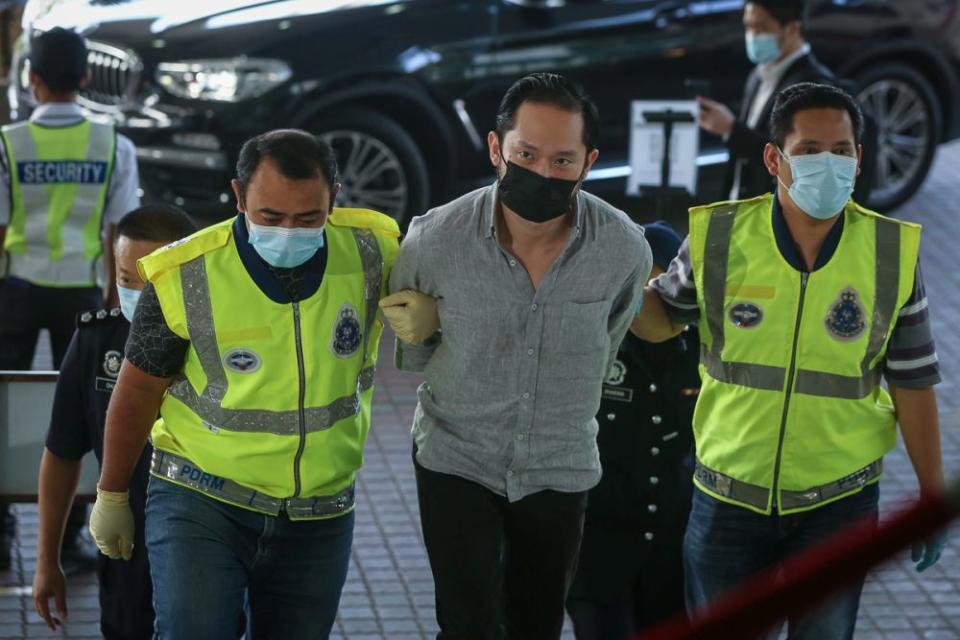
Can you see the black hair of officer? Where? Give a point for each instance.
(59, 58)
(156, 223)
(809, 95)
(784, 11)
(299, 155)
(553, 89)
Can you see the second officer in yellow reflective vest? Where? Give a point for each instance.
(65, 182)
(804, 301)
(256, 339)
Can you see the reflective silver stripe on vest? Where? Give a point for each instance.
(715, 262)
(757, 496)
(202, 329)
(886, 290)
(73, 266)
(745, 374)
(182, 471)
(856, 480)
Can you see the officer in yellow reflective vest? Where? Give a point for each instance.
(64, 183)
(804, 301)
(256, 340)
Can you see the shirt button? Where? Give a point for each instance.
(513, 263)
(509, 473)
(520, 437)
(654, 480)
(535, 306)
(529, 352)
(654, 451)
(653, 388)
(526, 396)
(652, 508)
(656, 419)
(611, 416)
(648, 536)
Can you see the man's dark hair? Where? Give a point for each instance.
(299, 155)
(784, 11)
(156, 223)
(59, 57)
(808, 95)
(555, 90)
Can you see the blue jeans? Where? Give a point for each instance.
(205, 555)
(725, 545)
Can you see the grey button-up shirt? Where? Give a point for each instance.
(513, 380)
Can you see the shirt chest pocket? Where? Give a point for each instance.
(582, 328)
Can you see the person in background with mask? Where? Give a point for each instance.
(256, 340)
(776, 45)
(630, 573)
(804, 300)
(537, 283)
(87, 378)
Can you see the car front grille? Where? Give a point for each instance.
(115, 77)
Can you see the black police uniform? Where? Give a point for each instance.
(88, 375)
(630, 573)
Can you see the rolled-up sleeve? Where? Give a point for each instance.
(911, 360)
(407, 273)
(678, 289)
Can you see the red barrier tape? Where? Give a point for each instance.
(809, 577)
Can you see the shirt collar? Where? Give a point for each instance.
(788, 248)
(774, 71)
(57, 112)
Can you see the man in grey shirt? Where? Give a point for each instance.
(536, 284)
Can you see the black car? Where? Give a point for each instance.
(407, 90)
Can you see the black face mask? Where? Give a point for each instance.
(534, 197)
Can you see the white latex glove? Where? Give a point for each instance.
(413, 315)
(111, 524)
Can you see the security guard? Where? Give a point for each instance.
(64, 183)
(630, 572)
(264, 328)
(87, 378)
(805, 299)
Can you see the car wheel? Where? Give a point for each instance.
(381, 167)
(908, 116)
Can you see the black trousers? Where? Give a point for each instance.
(25, 309)
(501, 569)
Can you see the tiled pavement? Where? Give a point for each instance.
(389, 591)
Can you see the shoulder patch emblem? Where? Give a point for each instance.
(617, 374)
(346, 333)
(111, 363)
(746, 315)
(846, 319)
(242, 360)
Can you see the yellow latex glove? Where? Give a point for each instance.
(413, 315)
(111, 524)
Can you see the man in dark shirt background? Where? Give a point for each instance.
(87, 377)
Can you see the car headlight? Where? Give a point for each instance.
(228, 80)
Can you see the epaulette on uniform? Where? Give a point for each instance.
(94, 318)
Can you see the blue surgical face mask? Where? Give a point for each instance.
(128, 301)
(762, 48)
(284, 247)
(822, 182)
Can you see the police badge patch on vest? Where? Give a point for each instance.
(346, 333)
(242, 360)
(611, 386)
(845, 320)
(746, 315)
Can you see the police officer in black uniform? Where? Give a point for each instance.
(87, 377)
(630, 573)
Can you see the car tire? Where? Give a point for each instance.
(908, 116)
(381, 167)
